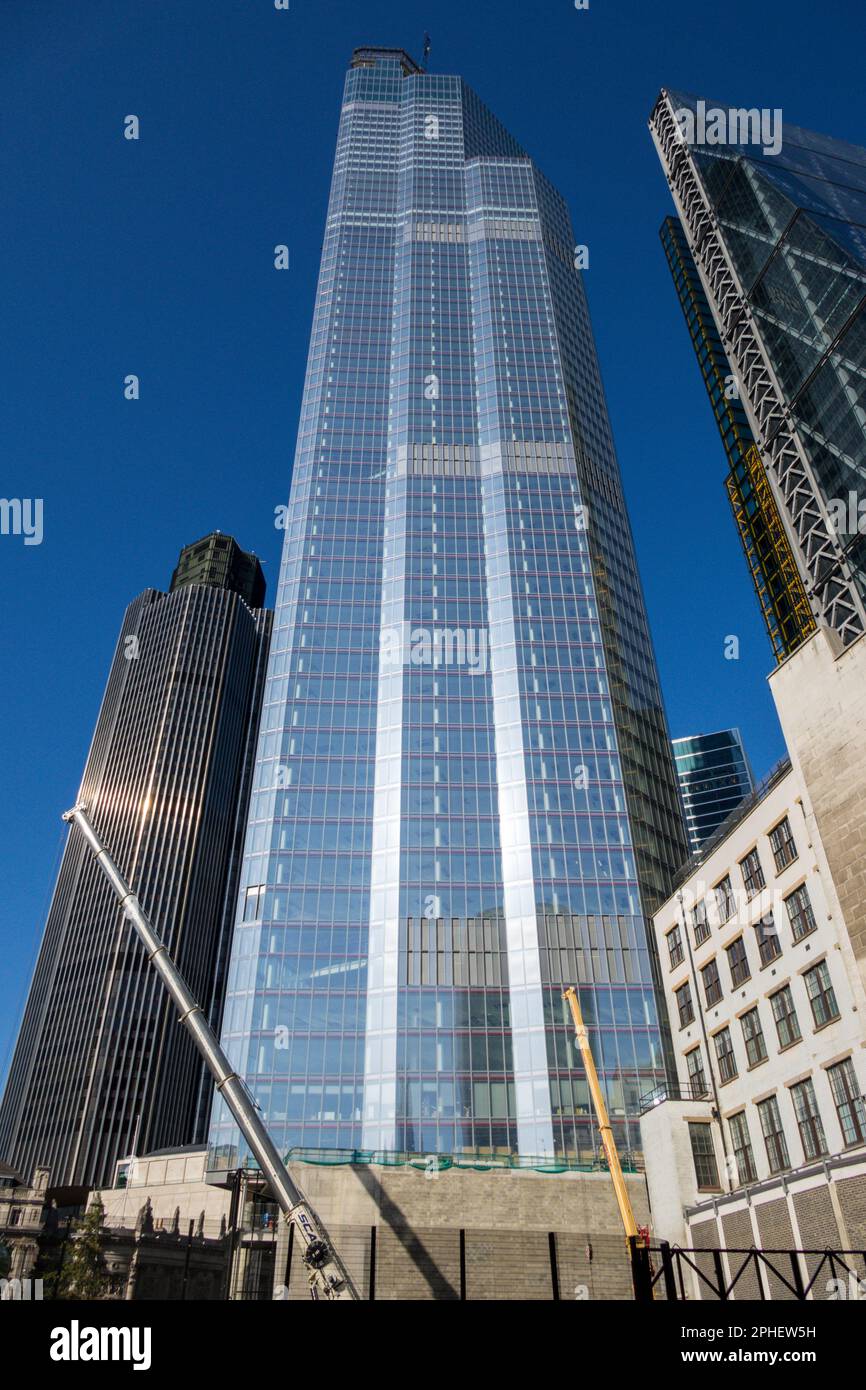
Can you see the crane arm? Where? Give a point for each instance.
(610, 1150)
(328, 1276)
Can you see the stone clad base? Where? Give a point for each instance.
(458, 1234)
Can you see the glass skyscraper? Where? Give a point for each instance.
(781, 593)
(464, 795)
(714, 776)
(774, 220)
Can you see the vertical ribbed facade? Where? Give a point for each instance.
(464, 795)
(100, 1063)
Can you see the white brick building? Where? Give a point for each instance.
(768, 1019)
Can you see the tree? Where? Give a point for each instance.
(84, 1274)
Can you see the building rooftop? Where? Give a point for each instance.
(368, 57)
(730, 823)
(219, 562)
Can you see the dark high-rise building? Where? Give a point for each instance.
(772, 219)
(218, 560)
(100, 1063)
(714, 776)
(464, 796)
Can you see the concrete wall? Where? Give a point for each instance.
(515, 1235)
(170, 1181)
(405, 1233)
(820, 695)
(670, 1168)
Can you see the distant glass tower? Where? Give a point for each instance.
(714, 776)
(778, 239)
(464, 794)
(100, 1064)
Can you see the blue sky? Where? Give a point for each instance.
(155, 257)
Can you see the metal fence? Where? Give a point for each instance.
(667, 1271)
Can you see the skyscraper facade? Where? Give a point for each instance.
(714, 777)
(464, 793)
(774, 220)
(100, 1067)
(781, 593)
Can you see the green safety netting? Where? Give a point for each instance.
(387, 1158)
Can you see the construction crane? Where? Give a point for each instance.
(610, 1152)
(327, 1274)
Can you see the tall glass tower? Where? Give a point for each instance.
(773, 219)
(464, 797)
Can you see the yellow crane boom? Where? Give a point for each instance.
(607, 1139)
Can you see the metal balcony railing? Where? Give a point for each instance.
(687, 1091)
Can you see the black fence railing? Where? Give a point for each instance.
(665, 1270)
(689, 1091)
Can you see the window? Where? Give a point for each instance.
(850, 1106)
(725, 1055)
(774, 1138)
(700, 925)
(753, 1036)
(800, 913)
(753, 874)
(685, 1008)
(724, 898)
(253, 902)
(782, 845)
(808, 1119)
(738, 961)
(785, 1016)
(697, 1078)
(821, 994)
(742, 1146)
(768, 939)
(704, 1156)
(675, 947)
(712, 983)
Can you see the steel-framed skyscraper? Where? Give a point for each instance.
(769, 554)
(464, 794)
(100, 1064)
(777, 233)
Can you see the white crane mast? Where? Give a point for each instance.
(327, 1273)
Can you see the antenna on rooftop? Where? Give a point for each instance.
(426, 51)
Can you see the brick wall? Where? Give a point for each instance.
(852, 1203)
(818, 1231)
(704, 1235)
(737, 1231)
(777, 1233)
